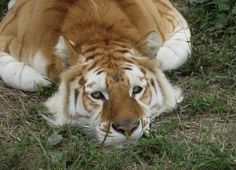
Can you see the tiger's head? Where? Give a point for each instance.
(111, 91)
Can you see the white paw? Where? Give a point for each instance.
(19, 75)
(11, 4)
(175, 51)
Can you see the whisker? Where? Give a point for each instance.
(106, 135)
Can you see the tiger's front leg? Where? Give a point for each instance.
(19, 75)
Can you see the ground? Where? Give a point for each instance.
(199, 134)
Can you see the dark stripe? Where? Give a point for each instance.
(118, 43)
(81, 81)
(127, 68)
(93, 65)
(143, 71)
(76, 93)
(153, 85)
(127, 60)
(123, 51)
(92, 56)
(100, 72)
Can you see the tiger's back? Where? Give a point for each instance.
(27, 36)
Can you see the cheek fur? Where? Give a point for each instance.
(146, 96)
(90, 105)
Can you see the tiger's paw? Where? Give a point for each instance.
(11, 4)
(19, 75)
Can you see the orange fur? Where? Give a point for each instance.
(33, 25)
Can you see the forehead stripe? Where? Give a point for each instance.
(127, 68)
(122, 51)
(93, 55)
(98, 73)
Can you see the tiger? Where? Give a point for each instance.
(107, 57)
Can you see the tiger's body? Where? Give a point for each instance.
(89, 46)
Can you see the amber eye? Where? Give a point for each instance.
(98, 95)
(137, 89)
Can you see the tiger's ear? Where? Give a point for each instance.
(150, 44)
(64, 47)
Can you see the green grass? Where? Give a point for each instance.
(3, 7)
(199, 134)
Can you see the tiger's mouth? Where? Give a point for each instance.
(108, 135)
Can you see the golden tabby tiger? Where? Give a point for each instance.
(107, 57)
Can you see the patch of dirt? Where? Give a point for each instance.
(219, 127)
(12, 100)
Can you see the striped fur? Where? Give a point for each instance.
(104, 48)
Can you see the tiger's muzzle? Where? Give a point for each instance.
(126, 127)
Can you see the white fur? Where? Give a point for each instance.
(172, 95)
(150, 45)
(175, 51)
(11, 4)
(19, 75)
(39, 63)
(61, 50)
(56, 106)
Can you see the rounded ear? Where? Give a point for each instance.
(64, 47)
(150, 44)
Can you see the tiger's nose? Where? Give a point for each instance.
(125, 126)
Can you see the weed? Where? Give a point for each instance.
(46, 91)
(3, 7)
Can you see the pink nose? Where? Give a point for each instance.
(125, 126)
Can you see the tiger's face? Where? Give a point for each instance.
(117, 102)
(113, 96)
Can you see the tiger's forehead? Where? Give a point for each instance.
(110, 64)
(95, 81)
(103, 77)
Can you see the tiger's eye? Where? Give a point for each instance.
(98, 95)
(137, 89)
